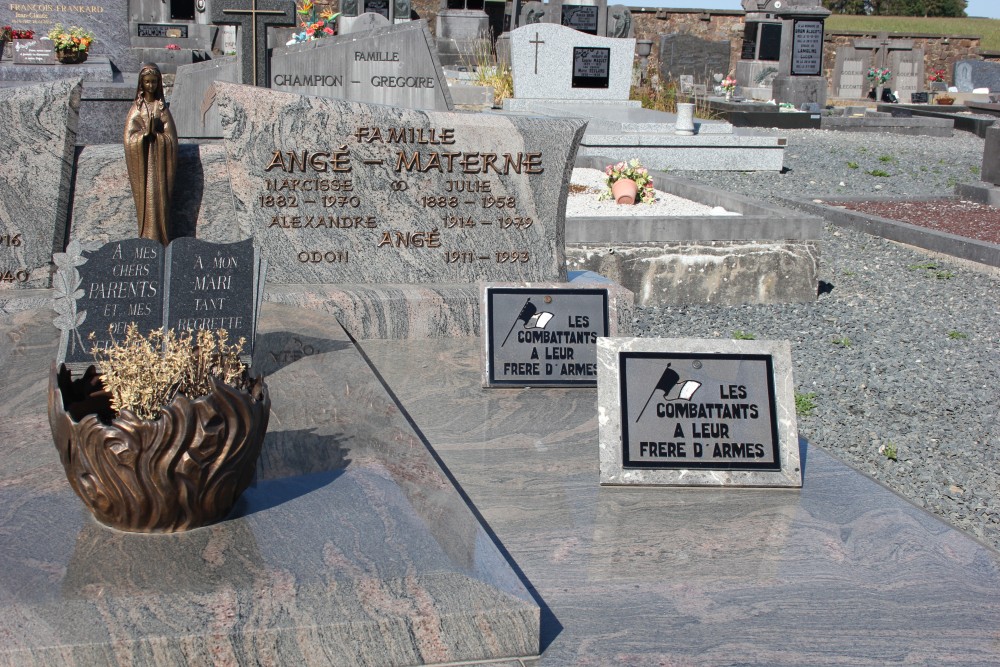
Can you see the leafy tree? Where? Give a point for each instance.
(949, 8)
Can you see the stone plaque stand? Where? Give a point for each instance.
(800, 67)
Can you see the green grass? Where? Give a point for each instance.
(886, 158)
(743, 335)
(879, 173)
(889, 451)
(852, 165)
(923, 266)
(957, 335)
(843, 341)
(974, 169)
(987, 29)
(805, 403)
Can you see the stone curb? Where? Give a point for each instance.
(902, 232)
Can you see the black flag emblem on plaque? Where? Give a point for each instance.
(672, 389)
(532, 318)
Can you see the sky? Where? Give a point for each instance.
(987, 8)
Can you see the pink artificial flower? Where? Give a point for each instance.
(328, 30)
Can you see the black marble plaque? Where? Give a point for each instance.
(191, 284)
(770, 42)
(698, 411)
(541, 337)
(121, 283)
(33, 52)
(580, 17)
(591, 67)
(162, 30)
(211, 286)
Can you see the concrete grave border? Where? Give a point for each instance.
(902, 232)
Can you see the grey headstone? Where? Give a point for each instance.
(395, 65)
(620, 22)
(107, 19)
(390, 195)
(849, 73)
(121, 283)
(544, 65)
(36, 171)
(534, 12)
(682, 54)
(991, 156)
(103, 108)
(972, 74)
(695, 412)
(253, 18)
(907, 72)
(363, 23)
(193, 117)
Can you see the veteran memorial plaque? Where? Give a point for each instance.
(698, 412)
(544, 337)
(343, 192)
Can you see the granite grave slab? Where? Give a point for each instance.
(551, 61)
(694, 412)
(345, 192)
(36, 171)
(192, 116)
(396, 65)
(352, 547)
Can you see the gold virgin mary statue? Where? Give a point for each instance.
(151, 155)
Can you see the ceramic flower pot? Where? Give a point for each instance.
(947, 101)
(71, 56)
(624, 190)
(181, 471)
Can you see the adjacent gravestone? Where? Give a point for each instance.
(107, 20)
(395, 65)
(687, 55)
(620, 22)
(546, 335)
(365, 22)
(36, 170)
(697, 413)
(849, 73)
(189, 285)
(990, 172)
(192, 116)
(345, 192)
(252, 18)
(587, 16)
(972, 74)
(554, 62)
(907, 72)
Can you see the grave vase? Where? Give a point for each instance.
(624, 190)
(184, 470)
(71, 56)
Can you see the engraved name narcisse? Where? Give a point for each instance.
(315, 189)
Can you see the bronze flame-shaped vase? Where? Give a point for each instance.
(181, 471)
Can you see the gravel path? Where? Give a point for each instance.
(903, 351)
